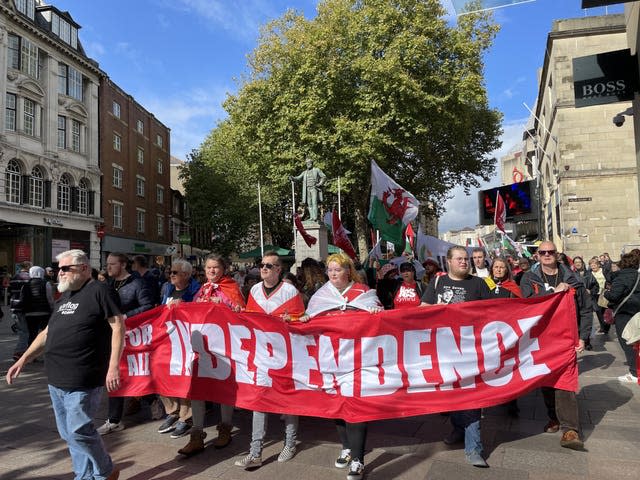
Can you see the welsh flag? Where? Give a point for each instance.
(391, 207)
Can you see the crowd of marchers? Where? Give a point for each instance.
(79, 330)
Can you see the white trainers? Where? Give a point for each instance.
(109, 427)
(250, 461)
(356, 470)
(628, 378)
(344, 459)
(287, 454)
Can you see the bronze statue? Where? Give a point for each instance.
(312, 181)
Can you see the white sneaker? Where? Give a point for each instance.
(250, 461)
(287, 454)
(109, 427)
(344, 459)
(356, 470)
(628, 378)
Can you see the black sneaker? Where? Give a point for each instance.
(168, 425)
(181, 429)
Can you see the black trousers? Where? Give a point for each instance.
(353, 436)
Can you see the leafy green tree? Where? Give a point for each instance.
(388, 80)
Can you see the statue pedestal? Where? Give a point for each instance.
(320, 250)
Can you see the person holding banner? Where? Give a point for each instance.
(273, 297)
(342, 293)
(546, 278)
(408, 290)
(221, 289)
(458, 286)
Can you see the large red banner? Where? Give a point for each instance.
(356, 366)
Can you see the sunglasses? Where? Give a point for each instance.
(268, 266)
(174, 272)
(67, 268)
(546, 252)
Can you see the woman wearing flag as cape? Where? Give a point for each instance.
(339, 294)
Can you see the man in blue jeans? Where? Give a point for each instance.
(82, 346)
(458, 286)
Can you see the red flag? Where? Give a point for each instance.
(411, 235)
(340, 238)
(308, 239)
(501, 213)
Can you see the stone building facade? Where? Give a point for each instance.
(585, 165)
(49, 172)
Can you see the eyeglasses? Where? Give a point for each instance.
(175, 272)
(546, 252)
(268, 266)
(67, 268)
(460, 260)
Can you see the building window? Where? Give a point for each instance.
(75, 135)
(28, 58)
(12, 178)
(117, 142)
(161, 225)
(159, 140)
(160, 167)
(117, 176)
(13, 52)
(117, 215)
(10, 112)
(160, 193)
(140, 126)
(69, 81)
(29, 117)
(36, 188)
(140, 214)
(26, 7)
(62, 132)
(64, 30)
(64, 193)
(140, 181)
(140, 155)
(116, 109)
(83, 197)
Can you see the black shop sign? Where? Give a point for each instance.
(605, 78)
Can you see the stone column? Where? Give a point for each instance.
(320, 250)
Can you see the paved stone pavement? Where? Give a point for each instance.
(408, 448)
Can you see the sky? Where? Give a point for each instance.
(180, 59)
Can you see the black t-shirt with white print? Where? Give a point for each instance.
(445, 290)
(78, 342)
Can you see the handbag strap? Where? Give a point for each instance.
(630, 293)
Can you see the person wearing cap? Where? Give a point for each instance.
(431, 269)
(409, 291)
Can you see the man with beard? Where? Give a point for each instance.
(546, 278)
(82, 346)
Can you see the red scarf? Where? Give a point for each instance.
(226, 288)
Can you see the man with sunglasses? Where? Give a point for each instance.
(82, 346)
(546, 278)
(274, 297)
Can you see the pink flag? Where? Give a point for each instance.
(308, 239)
(501, 213)
(340, 238)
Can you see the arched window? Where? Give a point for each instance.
(64, 193)
(13, 182)
(36, 187)
(83, 197)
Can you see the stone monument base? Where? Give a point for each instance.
(320, 250)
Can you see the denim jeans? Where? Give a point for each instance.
(74, 411)
(469, 422)
(259, 429)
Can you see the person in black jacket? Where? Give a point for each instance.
(622, 285)
(546, 278)
(135, 297)
(37, 298)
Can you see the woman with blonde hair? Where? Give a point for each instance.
(343, 292)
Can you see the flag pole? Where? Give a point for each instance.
(293, 211)
(260, 216)
(339, 203)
